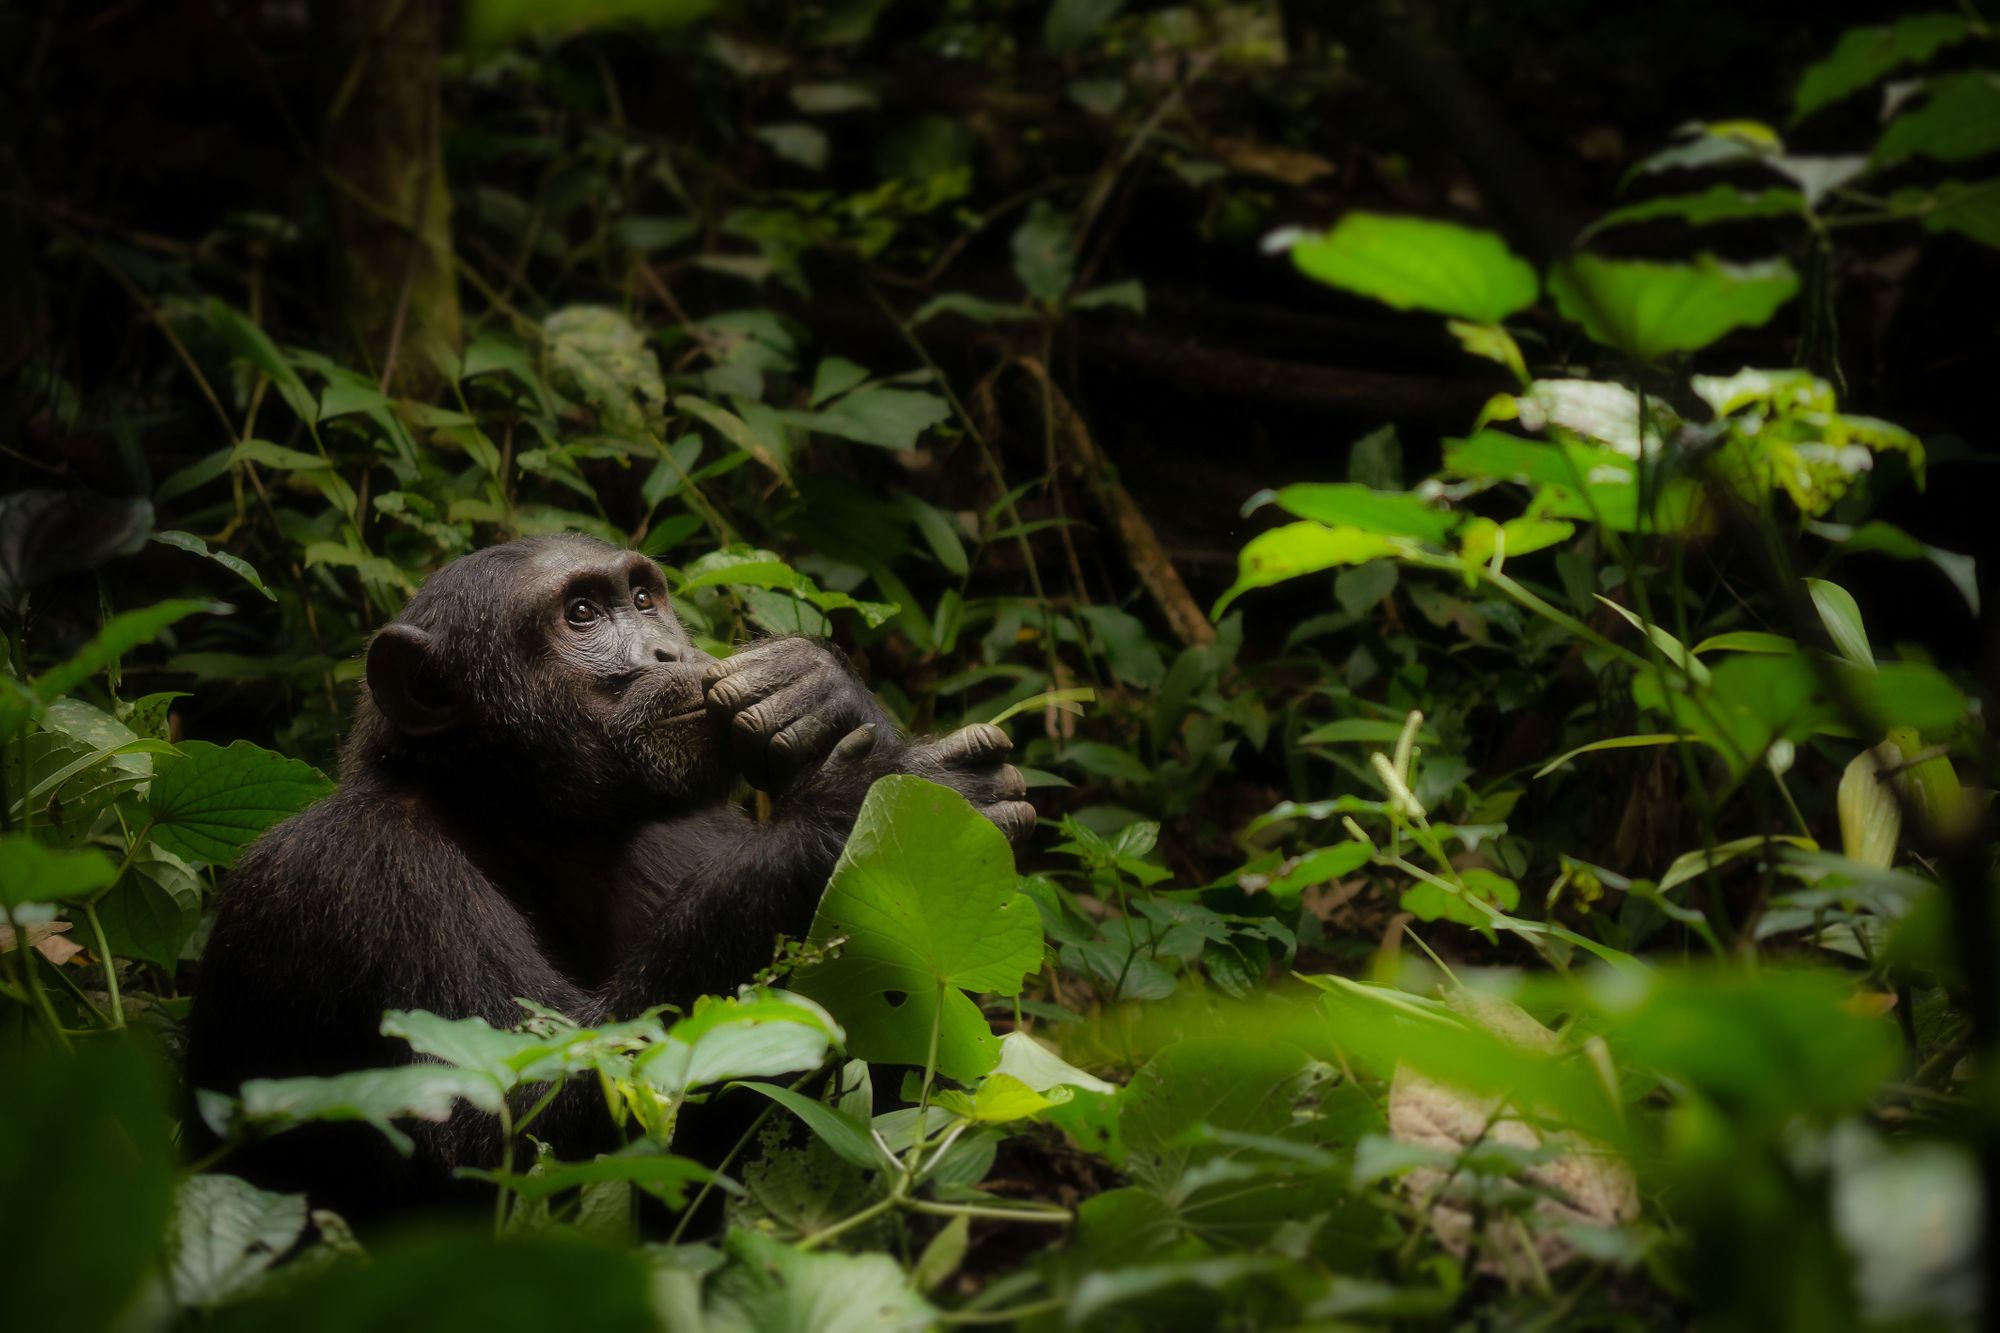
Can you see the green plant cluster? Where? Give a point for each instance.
(1391, 1045)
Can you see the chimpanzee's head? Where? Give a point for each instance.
(555, 665)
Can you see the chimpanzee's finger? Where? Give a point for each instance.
(1016, 819)
(975, 746)
(801, 745)
(1009, 785)
(855, 746)
(748, 681)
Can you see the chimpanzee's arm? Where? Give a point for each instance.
(722, 887)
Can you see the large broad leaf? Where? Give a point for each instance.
(886, 417)
(1418, 264)
(1864, 55)
(1649, 309)
(769, 1285)
(211, 803)
(743, 567)
(1301, 548)
(924, 894)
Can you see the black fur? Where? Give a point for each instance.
(531, 807)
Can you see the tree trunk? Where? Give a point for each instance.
(391, 206)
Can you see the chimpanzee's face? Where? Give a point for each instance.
(551, 668)
(620, 673)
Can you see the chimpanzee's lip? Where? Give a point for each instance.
(688, 716)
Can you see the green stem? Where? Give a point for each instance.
(506, 1167)
(1007, 1316)
(924, 1095)
(851, 1221)
(109, 964)
(978, 1210)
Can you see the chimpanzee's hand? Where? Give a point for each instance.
(973, 762)
(784, 704)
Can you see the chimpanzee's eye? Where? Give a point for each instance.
(581, 612)
(642, 599)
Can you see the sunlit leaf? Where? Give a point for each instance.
(924, 894)
(1648, 309)
(1420, 264)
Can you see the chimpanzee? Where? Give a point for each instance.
(535, 802)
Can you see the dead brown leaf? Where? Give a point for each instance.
(45, 938)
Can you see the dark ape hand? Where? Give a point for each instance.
(784, 704)
(973, 762)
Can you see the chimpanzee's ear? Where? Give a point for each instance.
(404, 680)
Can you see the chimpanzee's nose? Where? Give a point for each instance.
(665, 655)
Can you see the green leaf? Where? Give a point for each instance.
(1692, 865)
(662, 1175)
(1319, 867)
(1431, 903)
(1876, 535)
(1670, 647)
(770, 1285)
(1958, 119)
(1069, 24)
(211, 803)
(796, 142)
(277, 457)
(998, 1099)
(834, 377)
(1648, 309)
(225, 1234)
(757, 1034)
(1575, 481)
(847, 1137)
(252, 345)
(1612, 743)
(1387, 513)
(1842, 618)
(924, 893)
(1223, 1084)
(33, 873)
(1718, 203)
(1419, 264)
(743, 567)
(87, 1170)
(597, 354)
(154, 908)
(885, 417)
(421, 1091)
(1298, 549)
(237, 565)
(1863, 55)
(1969, 209)
(1044, 253)
(1747, 641)
(120, 635)
(1024, 1058)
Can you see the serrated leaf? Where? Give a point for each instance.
(211, 803)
